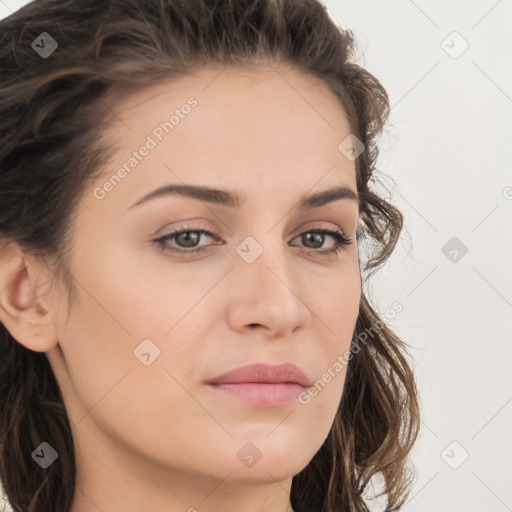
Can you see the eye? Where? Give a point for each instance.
(187, 239)
(186, 236)
(317, 237)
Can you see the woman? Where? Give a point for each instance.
(185, 197)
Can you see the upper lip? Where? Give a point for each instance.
(264, 373)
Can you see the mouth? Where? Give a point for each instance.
(262, 384)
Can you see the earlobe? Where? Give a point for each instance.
(27, 317)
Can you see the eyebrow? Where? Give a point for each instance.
(233, 200)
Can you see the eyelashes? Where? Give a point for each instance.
(318, 235)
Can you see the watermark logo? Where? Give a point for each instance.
(44, 45)
(454, 249)
(454, 455)
(249, 249)
(45, 455)
(351, 147)
(146, 352)
(249, 454)
(454, 45)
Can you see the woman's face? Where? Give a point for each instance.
(153, 322)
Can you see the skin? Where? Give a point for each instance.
(155, 437)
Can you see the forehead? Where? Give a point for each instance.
(261, 127)
(247, 89)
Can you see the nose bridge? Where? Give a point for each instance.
(266, 256)
(269, 281)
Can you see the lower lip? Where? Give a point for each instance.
(264, 394)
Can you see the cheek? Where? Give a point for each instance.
(335, 304)
(126, 308)
(338, 310)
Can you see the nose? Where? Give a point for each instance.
(269, 294)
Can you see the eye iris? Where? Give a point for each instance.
(190, 240)
(317, 238)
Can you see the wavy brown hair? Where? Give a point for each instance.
(51, 149)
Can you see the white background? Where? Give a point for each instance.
(445, 158)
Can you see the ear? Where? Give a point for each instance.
(24, 313)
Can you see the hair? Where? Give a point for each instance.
(51, 149)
